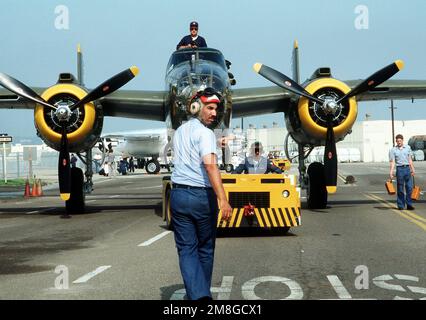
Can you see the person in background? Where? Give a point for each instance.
(73, 161)
(131, 165)
(400, 157)
(111, 161)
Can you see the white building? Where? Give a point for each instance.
(374, 138)
(370, 141)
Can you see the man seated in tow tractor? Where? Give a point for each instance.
(256, 163)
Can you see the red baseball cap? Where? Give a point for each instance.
(210, 99)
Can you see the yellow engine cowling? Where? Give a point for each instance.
(310, 121)
(82, 133)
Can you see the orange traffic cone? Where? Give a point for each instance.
(39, 189)
(34, 189)
(27, 192)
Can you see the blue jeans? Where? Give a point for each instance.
(403, 177)
(194, 218)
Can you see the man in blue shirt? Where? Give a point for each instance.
(192, 40)
(256, 163)
(400, 156)
(197, 191)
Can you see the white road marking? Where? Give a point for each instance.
(380, 281)
(417, 289)
(114, 196)
(159, 186)
(405, 278)
(90, 201)
(90, 275)
(248, 288)
(41, 210)
(152, 240)
(341, 177)
(338, 286)
(225, 289)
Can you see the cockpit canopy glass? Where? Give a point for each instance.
(192, 55)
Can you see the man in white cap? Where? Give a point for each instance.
(193, 40)
(197, 194)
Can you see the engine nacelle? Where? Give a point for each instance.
(85, 124)
(308, 124)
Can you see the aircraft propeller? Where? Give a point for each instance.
(330, 156)
(22, 90)
(374, 80)
(283, 81)
(64, 112)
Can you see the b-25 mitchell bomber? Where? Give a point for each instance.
(319, 111)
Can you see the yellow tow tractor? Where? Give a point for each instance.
(282, 163)
(258, 201)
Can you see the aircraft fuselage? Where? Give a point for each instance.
(191, 70)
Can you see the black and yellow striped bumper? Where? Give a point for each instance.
(263, 217)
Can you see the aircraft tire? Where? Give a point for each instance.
(76, 203)
(152, 167)
(317, 191)
(168, 214)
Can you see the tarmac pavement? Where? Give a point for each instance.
(360, 247)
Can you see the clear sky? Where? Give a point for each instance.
(117, 34)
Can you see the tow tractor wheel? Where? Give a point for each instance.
(317, 191)
(152, 167)
(229, 168)
(284, 230)
(168, 211)
(75, 204)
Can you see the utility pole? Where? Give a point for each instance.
(393, 126)
(4, 163)
(4, 138)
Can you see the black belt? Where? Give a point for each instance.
(184, 186)
(403, 166)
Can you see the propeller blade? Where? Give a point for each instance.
(22, 90)
(64, 170)
(283, 81)
(330, 161)
(375, 79)
(108, 86)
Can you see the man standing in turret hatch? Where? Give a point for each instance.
(192, 40)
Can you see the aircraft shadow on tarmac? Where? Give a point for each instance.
(17, 255)
(90, 209)
(253, 232)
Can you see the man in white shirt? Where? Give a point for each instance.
(197, 195)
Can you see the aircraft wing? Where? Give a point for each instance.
(137, 104)
(9, 100)
(139, 135)
(258, 101)
(393, 89)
